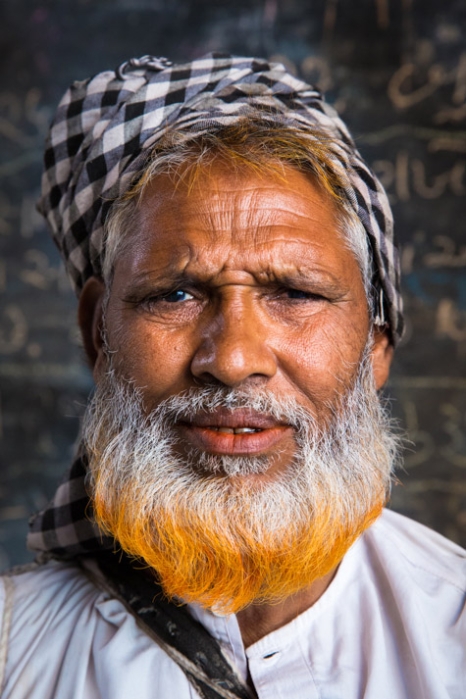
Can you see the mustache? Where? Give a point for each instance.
(208, 400)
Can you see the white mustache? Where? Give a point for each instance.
(209, 399)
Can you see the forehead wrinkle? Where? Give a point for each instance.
(200, 265)
(216, 228)
(229, 210)
(178, 257)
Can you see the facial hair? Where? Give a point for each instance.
(214, 536)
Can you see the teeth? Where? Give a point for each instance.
(236, 430)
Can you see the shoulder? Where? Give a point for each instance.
(40, 597)
(36, 597)
(51, 586)
(63, 636)
(419, 550)
(420, 577)
(408, 584)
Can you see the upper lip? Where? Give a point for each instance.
(241, 417)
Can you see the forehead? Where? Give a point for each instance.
(226, 218)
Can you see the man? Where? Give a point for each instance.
(221, 531)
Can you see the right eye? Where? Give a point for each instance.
(175, 297)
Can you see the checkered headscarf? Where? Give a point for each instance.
(98, 143)
(105, 127)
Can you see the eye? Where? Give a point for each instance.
(177, 296)
(296, 294)
(300, 295)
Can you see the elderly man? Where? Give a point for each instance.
(221, 532)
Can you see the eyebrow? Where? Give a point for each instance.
(150, 281)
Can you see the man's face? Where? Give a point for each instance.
(235, 440)
(239, 281)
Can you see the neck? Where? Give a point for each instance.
(258, 620)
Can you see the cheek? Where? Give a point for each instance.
(156, 360)
(322, 359)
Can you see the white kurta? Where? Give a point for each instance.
(392, 625)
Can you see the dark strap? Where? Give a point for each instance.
(187, 641)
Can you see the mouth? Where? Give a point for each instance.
(234, 432)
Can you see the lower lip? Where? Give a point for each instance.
(215, 442)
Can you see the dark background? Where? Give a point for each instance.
(394, 69)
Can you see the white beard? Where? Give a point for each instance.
(345, 465)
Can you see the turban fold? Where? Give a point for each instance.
(106, 126)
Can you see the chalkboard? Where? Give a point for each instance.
(394, 69)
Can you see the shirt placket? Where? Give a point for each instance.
(280, 671)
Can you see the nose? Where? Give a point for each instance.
(235, 347)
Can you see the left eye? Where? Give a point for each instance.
(176, 296)
(298, 294)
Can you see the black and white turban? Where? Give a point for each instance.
(105, 127)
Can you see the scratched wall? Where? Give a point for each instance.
(395, 70)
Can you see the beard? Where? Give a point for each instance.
(214, 536)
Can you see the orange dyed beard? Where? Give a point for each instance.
(196, 562)
(224, 542)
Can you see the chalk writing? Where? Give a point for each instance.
(406, 176)
(13, 329)
(429, 80)
(453, 425)
(23, 124)
(451, 322)
(17, 114)
(436, 139)
(39, 273)
(445, 253)
(399, 92)
(448, 255)
(424, 445)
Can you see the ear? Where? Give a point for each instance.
(381, 355)
(90, 321)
